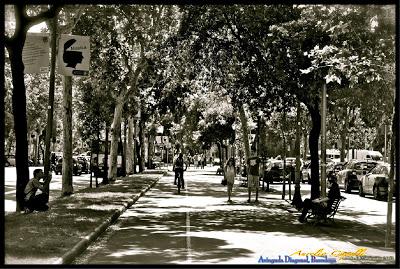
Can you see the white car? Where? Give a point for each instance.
(376, 181)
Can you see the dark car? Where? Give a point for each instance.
(84, 164)
(352, 172)
(274, 171)
(9, 160)
(77, 168)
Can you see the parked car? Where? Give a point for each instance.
(333, 169)
(85, 165)
(76, 171)
(376, 182)
(349, 177)
(306, 170)
(216, 161)
(9, 160)
(274, 171)
(291, 161)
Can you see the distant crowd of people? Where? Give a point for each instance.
(198, 161)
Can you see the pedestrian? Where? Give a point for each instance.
(324, 204)
(33, 201)
(253, 183)
(230, 176)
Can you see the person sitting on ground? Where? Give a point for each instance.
(230, 176)
(33, 201)
(178, 168)
(321, 203)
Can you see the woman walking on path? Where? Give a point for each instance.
(230, 176)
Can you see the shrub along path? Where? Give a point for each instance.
(45, 237)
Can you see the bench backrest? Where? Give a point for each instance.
(335, 205)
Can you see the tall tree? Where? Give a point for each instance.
(14, 45)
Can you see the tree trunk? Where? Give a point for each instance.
(105, 160)
(50, 111)
(343, 136)
(142, 145)
(19, 113)
(123, 147)
(67, 166)
(130, 147)
(245, 131)
(313, 142)
(219, 151)
(305, 146)
(151, 151)
(297, 201)
(138, 158)
(284, 155)
(115, 134)
(394, 155)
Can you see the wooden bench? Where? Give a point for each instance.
(320, 214)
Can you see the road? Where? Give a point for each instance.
(79, 182)
(199, 226)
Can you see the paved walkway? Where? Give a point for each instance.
(199, 226)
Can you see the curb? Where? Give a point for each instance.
(81, 246)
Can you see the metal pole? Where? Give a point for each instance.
(323, 143)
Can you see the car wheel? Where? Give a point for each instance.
(7, 164)
(376, 194)
(361, 191)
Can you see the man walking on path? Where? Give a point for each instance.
(253, 164)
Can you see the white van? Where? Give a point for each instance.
(363, 154)
(333, 154)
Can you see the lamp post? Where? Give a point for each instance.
(385, 156)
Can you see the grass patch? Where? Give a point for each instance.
(50, 234)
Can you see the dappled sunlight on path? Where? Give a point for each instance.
(199, 226)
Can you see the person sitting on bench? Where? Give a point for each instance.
(33, 201)
(322, 203)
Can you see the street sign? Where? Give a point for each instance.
(35, 53)
(74, 55)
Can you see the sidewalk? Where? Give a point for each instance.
(72, 223)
